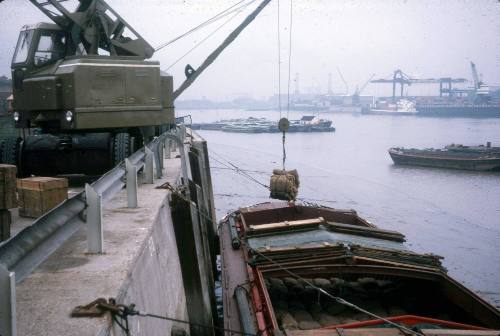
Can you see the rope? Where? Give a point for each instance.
(237, 170)
(289, 57)
(284, 150)
(236, 12)
(289, 80)
(279, 60)
(336, 298)
(201, 25)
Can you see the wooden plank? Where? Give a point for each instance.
(38, 195)
(42, 183)
(8, 197)
(287, 224)
(347, 332)
(366, 231)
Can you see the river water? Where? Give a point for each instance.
(455, 214)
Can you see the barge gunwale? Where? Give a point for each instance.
(349, 262)
(446, 159)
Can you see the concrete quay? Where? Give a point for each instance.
(159, 256)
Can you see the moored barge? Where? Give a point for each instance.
(477, 158)
(290, 269)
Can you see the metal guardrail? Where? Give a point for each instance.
(22, 253)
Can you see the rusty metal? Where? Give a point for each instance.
(93, 309)
(166, 185)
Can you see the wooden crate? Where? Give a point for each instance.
(8, 198)
(5, 221)
(38, 195)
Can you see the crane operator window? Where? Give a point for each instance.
(51, 47)
(23, 46)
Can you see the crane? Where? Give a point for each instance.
(475, 77)
(86, 83)
(401, 78)
(343, 80)
(357, 92)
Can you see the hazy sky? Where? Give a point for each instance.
(360, 37)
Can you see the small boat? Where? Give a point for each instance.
(400, 108)
(477, 158)
(292, 269)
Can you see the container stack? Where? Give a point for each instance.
(8, 199)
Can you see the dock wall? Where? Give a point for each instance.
(159, 256)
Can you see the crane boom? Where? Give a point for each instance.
(475, 77)
(343, 80)
(213, 56)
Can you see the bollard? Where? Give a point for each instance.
(131, 184)
(95, 239)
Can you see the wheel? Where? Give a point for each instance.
(121, 147)
(10, 150)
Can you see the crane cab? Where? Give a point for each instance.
(39, 45)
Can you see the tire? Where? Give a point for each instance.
(10, 151)
(2, 141)
(121, 147)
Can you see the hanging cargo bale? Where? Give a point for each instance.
(284, 184)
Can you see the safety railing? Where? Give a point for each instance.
(22, 253)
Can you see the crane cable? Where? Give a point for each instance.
(289, 79)
(214, 18)
(236, 12)
(204, 39)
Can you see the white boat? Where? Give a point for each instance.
(400, 107)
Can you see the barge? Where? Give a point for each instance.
(263, 125)
(475, 158)
(291, 269)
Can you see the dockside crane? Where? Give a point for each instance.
(85, 84)
(475, 77)
(357, 92)
(401, 78)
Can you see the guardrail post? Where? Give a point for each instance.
(168, 149)
(131, 184)
(148, 166)
(7, 302)
(158, 164)
(160, 153)
(95, 241)
(184, 167)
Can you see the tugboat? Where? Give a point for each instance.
(292, 269)
(476, 158)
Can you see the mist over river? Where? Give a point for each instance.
(455, 214)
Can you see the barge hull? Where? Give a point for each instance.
(449, 163)
(481, 111)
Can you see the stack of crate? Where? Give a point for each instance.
(38, 195)
(8, 199)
